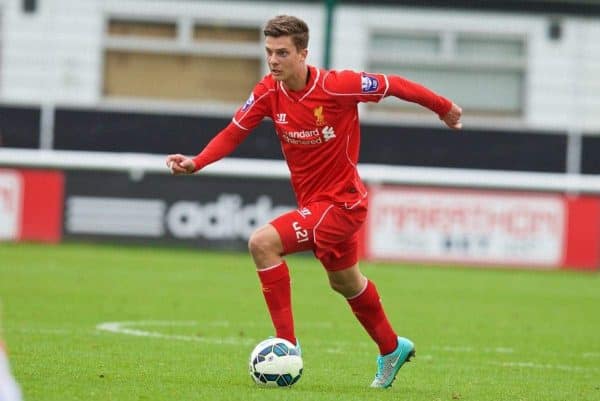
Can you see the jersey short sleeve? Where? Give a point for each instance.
(257, 107)
(354, 87)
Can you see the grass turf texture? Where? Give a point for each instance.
(480, 334)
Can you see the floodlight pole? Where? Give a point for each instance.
(329, 11)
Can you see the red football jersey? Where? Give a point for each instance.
(318, 128)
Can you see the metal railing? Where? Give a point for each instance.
(138, 164)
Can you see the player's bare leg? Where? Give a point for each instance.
(348, 282)
(267, 249)
(364, 300)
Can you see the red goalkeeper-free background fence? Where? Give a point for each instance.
(483, 227)
(31, 205)
(549, 231)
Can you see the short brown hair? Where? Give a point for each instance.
(287, 25)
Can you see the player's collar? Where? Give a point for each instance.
(311, 82)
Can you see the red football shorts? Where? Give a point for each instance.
(330, 231)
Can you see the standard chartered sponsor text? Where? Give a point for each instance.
(304, 137)
(302, 134)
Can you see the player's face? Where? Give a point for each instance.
(284, 60)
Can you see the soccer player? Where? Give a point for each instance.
(315, 115)
(9, 389)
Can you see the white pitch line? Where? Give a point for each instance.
(120, 327)
(534, 365)
(227, 323)
(160, 323)
(334, 350)
(132, 328)
(449, 348)
(129, 328)
(126, 328)
(462, 349)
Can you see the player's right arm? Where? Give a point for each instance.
(226, 141)
(220, 146)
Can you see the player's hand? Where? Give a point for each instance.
(180, 164)
(452, 118)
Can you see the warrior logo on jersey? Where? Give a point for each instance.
(369, 84)
(328, 133)
(248, 103)
(281, 118)
(318, 113)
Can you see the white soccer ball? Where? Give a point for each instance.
(275, 362)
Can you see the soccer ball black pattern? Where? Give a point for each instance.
(275, 362)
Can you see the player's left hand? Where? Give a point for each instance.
(452, 118)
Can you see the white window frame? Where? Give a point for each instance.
(183, 44)
(448, 57)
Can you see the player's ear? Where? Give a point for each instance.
(303, 54)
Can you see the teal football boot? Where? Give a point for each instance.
(389, 365)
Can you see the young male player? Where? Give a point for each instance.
(9, 389)
(316, 120)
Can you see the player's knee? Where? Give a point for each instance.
(335, 286)
(347, 285)
(341, 287)
(259, 243)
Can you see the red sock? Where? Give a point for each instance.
(277, 292)
(369, 311)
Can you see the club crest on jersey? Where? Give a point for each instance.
(368, 83)
(319, 117)
(248, 103)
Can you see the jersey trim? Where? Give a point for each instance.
(356, 203)
(353, 165)
(387, 85)
(319, 223)
(314, 85)
(233, 120)
(284, 91)
(347, 155)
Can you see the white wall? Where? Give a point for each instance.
(562, 89)
(246, 12)
(55, 55)
(588, 85)
(52, 54)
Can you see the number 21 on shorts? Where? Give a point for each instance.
(301, 233)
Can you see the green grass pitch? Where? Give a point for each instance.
(184, 322)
